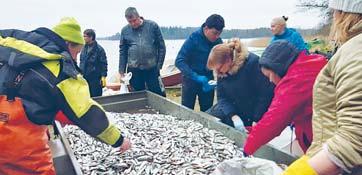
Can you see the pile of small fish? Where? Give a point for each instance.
(161, 144)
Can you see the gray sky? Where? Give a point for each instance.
(107, 16)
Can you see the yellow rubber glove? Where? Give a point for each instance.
(300, 167)
(104, 82)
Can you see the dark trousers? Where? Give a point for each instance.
(147, 78)
(191, 89)
(95, 86)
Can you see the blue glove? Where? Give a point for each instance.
(207, 88)
(204, 81)
(201, 79)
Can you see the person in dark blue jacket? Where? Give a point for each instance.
(191, 61)
(281, 31)
(243, 92)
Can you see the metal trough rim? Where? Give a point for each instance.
(67, 148)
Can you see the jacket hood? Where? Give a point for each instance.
(356, 29)
(240, 54)
(22, 50)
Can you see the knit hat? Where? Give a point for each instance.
(351, 6)
(69, 29)
(278, 56)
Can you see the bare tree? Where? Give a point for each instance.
(317, 5)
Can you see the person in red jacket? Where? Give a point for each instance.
(293, 72)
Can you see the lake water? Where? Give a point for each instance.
(172, 48)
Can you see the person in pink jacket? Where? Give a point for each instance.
(293, 72)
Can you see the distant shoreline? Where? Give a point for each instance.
(259, 42)
(175, 33)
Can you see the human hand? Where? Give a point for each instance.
(126, 145)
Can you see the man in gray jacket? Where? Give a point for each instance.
(142, 51)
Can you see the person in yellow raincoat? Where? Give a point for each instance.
(38, 78)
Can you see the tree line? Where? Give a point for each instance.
(171, 33)
(303, 5)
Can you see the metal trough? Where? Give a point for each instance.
(138, 101)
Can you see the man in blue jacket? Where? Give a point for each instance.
(191, 61)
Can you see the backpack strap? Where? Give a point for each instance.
(12, 86)
(12, 78)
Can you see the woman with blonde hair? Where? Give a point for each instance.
(242, 90)
(337, 101)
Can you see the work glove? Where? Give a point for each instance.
(103, 82)
(238, 123)
(201, 79)
(204, 81)
(300, 167)
(126, 145)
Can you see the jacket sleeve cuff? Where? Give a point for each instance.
(230, 113)
(334, 159)
(248, 148)
(118, 142)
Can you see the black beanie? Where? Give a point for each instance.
(278, 56)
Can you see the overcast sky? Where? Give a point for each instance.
(107, 16)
